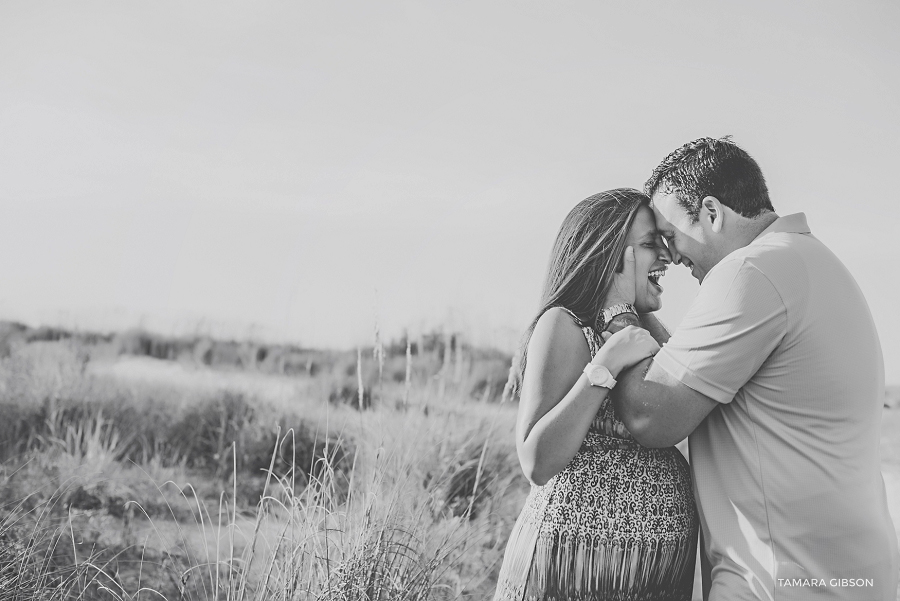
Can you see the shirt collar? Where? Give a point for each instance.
(789, 224)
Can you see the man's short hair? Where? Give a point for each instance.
(710, 167)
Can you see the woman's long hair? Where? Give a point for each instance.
(588, 249)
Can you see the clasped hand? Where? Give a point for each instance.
(630, 345)
(623, 285)
(627, 347)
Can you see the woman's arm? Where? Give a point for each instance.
(558, 403)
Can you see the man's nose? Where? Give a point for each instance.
(673, 254)
(666, 254)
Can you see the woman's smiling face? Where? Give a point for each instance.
(650, 260)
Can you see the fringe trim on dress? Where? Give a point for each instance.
(567, 568)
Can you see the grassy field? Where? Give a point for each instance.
(138, 467)
(127, 475)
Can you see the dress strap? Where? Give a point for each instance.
(590, 334)
(575, 317)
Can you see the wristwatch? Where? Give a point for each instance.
(610, 313)
(598, 375)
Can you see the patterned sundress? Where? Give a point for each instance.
(617, 524)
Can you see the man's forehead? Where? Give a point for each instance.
(662, 196)
(664, 205)
(657, 205)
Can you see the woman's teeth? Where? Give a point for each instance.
(654, 276)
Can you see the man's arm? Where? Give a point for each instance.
(657, 409)
(737, 320)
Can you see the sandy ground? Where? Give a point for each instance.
(890, 461)
(185, 376)
(891, 475)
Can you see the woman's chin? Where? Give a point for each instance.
(648, 306)
(651, 299)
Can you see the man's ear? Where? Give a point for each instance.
(712, 211)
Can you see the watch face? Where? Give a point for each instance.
(599, 376)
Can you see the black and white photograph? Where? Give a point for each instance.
(449, 301)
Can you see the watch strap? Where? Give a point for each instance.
(610, 313)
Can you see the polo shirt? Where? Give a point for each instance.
(786, 468)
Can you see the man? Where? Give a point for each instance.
(776, 374)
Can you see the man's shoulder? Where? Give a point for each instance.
(750, 262)
(751, 276)
(777, 256)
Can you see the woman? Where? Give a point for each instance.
(606, 519)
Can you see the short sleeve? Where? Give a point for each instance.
(734, 324)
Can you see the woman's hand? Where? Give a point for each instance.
(622, 289)
(629, 346)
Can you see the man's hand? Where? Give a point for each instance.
(657, 329)
(622, 290)
(621, 321)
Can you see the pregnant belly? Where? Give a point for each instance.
(625, 494)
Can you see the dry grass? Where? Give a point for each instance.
(120, 484)
(135, 478)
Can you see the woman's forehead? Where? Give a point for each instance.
(644, 225)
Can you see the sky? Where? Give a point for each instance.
(309, 171)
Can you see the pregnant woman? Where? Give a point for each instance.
(606, 519)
